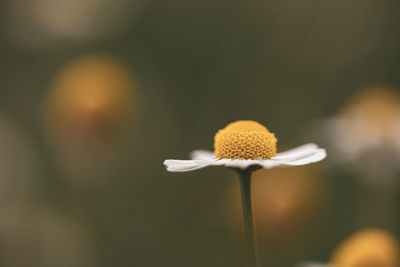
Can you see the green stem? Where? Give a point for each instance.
(245, 185)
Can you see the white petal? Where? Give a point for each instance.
(202, 154)
(186, 165)
(221, 162)
(240, 163)
(297, 152)
(268, 163)
(316, 156)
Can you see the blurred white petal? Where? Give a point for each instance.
(41, 22)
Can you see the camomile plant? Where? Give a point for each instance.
(247, 146)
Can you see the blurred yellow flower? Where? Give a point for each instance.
(368, 248)
(378, 108)
(90, 106)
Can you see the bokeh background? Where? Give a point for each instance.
(95, 94)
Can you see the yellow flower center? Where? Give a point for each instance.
(244, 140)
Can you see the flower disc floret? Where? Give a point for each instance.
(244, 140)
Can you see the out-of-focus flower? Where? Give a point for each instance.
(285, 202)
(242, 144)
(368, 248)
(31, 235)
(32, 22)
(89, 108)
(364, 138)
(365, 134)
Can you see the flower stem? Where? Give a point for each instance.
(245, 185)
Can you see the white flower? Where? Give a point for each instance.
(368, 122)
(248, 142)
(364, 135)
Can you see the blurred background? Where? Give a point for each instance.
(95, 94)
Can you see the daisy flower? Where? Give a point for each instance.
(247, 146)
(243, 144)
(363, 137)
(364, 134)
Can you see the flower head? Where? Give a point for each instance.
(244, 140)
(242, 144)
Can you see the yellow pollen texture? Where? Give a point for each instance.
(244, 140)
